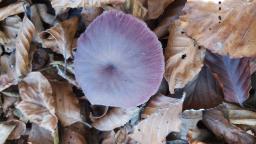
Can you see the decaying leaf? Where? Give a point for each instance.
(203, 92)
(225, 27)
(156, 7)
(114, 118)
(232, 74)
(37, 101)
(61, 37)
(19, 129)
(89, 14)
(158, 125)
(215, 119)
(98, 111)
(5, 131)
(38, 135)
(135, 8)
(67, 105)
(45, 17)
(23, 50)
(74, 134)
(8, 75)
(184, 58)
(12, 9)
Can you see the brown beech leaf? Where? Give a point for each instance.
(7, 71)
(89, 14)
(37, 101)
(61, 37)
(74, 134)
(5, 131)
(232, 74)
(215, 119)
(12, 9)
(23, 47)
(184, 58)
(67, 105)
(114, 118)
(136, 8)
(39, 135)
(225, 27)
(203, 92)
(158, 125)
(156, 7)
(20, 128)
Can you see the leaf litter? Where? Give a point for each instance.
(203, 47)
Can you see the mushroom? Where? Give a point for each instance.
(119, 61)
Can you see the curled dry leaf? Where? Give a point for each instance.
(215, 120)
(225, 27)
(7, 72)
(184, 59)
(89, 14)
(12, 9)
(37, 101)
(5, 131)
(23, 58)
(20, 128)
(64, 4)
(38, 135)
(135, 8)
(114, 118)
(203, 92)
(232, 74)
(156, 7)
(158, 125)
(67, 105)
(45, 17)
(74, 134)
(61, 37)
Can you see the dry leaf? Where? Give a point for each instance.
(135, 8)
(74, 134)
(203, 92)
(37, 101)
(5, 131)
(89, 14)
(215, 120)
(25, 36)
(61, 37)
(46, 17)
(232, 74)
(225, 27)
(156, 7)
(67, 105)
(12, 9)
(8, 102)
(98, 111)
(20, 128)
(184, 59)
(39, 135)
(115, 117)
(158, 125)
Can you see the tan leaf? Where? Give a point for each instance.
(20, 128)
(5, 131)
(136, 8)
(156, 7)
(12, 9)
(61, 37)
(8, 75)
(67, 105)
(74, 134)
(37, 101)
(115, 117)
(25, 36)
(46, 17)
(158, 125)
(184, 59)
(89, 14)
(225, 27)
(39, 135)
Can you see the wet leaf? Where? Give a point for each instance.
(232, 74)
(37, 101)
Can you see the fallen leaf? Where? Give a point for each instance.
(135, 8)
(60, 37)
(23, 47)
(158, 125)
(20, 128)
(37, 101)
(114, 118)
(203, 92)
(184, 59)
(12, 9)
(39, 135)
(74, 134)
(98, 111)
(40, 59)
(89, 14)
(232, 74)
(67, 105)
(156, 7)
(7, 71)
(8, 102)
(45, 16)
(225, 27)
(5, 131)
(215, 120)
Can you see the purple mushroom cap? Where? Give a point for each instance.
(119, 61)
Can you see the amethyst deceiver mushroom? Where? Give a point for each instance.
(119, 61)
